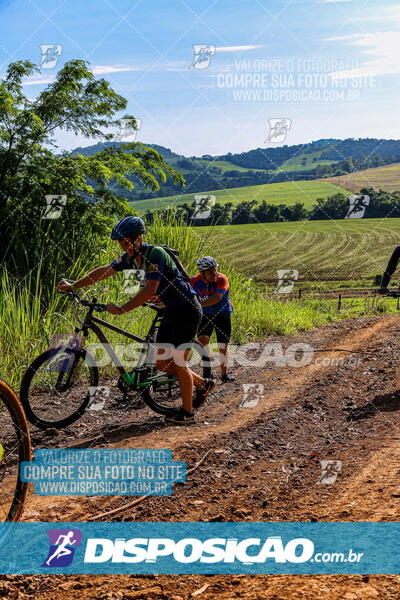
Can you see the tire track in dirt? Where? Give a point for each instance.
(229, 427)
(373, 494)
(286, 391)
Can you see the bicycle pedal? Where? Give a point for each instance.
(143, 374)
(122, 386)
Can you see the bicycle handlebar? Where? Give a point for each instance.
(96, 305)
(99, 306)
(393, 293)
(153, 306)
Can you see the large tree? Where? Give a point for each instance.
(30, 168)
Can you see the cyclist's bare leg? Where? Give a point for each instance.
(177, 365)
(163, 360)
(166, 366)
(168, 360)
(204, 341)
(185, 378)
(223, 351)
(169, 367)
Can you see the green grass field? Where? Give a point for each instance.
(304, 162)
(318, 250)
(288, 192)
(385, 178)
(355, 249)
(225, 165)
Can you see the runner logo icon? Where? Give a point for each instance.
(278, 130)
(203, 54)
(358, 206)
(286, 280)
(62, 547)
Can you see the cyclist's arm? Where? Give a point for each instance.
(154, 273)
(222, 288)
(391, 267)
(93, 277)
(149, 290)
(211, 300)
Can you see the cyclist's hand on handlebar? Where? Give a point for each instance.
(155, 300)
(159, 304)
(64, 286)
(383, 291)
(114, 309)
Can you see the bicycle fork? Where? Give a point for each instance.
(64, 386)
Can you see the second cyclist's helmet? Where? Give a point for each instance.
(206, 262)
(128, 227)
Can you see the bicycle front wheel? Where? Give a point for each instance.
(162, 392)
(58, 386)
(15, 447)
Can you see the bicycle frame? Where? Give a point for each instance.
(92, 323)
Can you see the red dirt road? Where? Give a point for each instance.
(263, 466)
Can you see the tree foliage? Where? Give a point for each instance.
(30, 170)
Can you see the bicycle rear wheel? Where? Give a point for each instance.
(58, 386)
(15, 447)
(162, 392)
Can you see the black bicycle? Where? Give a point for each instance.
(63, 381)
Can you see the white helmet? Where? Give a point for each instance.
(206, 262)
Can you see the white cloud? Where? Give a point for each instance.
(384, 46)
(102, 69)
(39, 81)
(237, 48)
(96, 69)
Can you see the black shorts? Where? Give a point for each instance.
(221, 322)
(180, 325)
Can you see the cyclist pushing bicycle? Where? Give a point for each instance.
(390, 269)
(213, 290)
(182, 316)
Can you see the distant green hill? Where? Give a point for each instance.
(269, 165)
(326, 150)
(305, 161)
(224, 165)
(288, 192)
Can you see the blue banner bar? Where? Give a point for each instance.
(203, 548)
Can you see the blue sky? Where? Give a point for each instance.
(298, 50)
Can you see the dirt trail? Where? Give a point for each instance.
(374, 492)
(264, 465)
